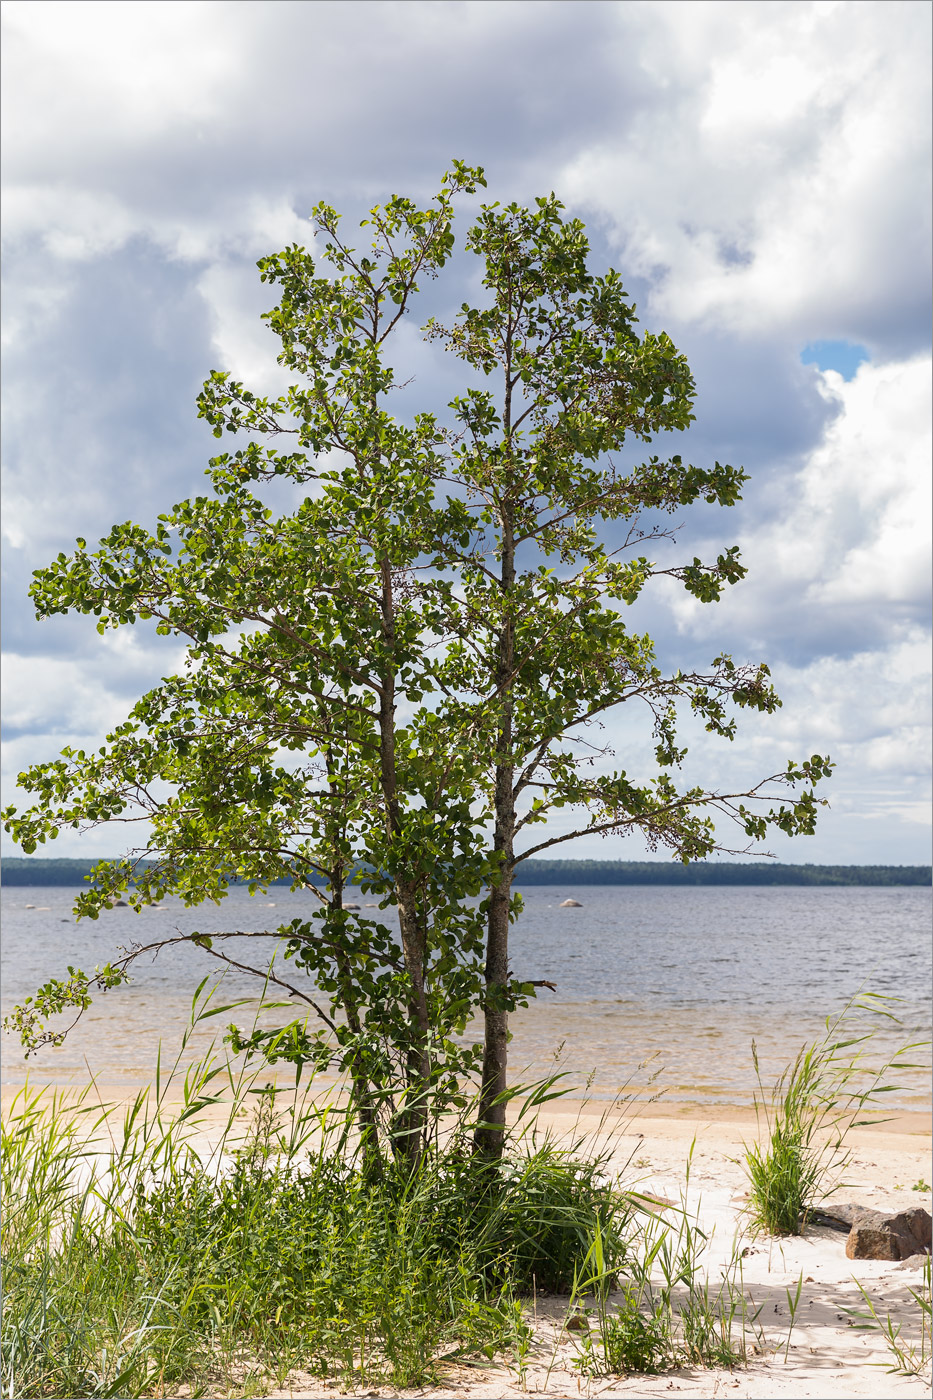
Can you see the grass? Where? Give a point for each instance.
(907, 1357)
(667, 1314)
(139, 1261)
(809, 1112)
(135, 1267)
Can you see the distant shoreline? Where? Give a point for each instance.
(34, 870)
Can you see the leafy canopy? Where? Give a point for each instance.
(391, 683)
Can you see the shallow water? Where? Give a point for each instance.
(685, 977)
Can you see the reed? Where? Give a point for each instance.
(218, 1234)
(827, 1091)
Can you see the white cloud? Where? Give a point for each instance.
(763, 169)
(48, 695)
(54, 694)
(874, 468)
(117, 75)
(241, 342)
(789, 161)
(848, 539)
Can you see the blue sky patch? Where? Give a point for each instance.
(840, 355)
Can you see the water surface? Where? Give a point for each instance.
(684, 978)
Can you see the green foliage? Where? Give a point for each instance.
(809, 1112)
(388, 683)
(627, 1340)
(909, 1352)
(138, 1260)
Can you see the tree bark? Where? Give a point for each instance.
(361, 1087)
(490, 1135)
(412, 1121)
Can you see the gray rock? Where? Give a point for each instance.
(570, 904)
(877, 1236)
(837, 1216)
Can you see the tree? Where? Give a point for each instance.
(393, 681)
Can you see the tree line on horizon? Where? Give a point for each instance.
(34, 870)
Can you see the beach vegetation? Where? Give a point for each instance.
(187, 1244)
(909, 1338)
(666, 1313)
(831, 1087)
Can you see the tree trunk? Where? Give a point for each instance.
(490, 1136)
(409, 1144)
(361, 1087)
(413, 1120)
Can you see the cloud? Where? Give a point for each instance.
(788, 163)
(847, 533)
(758, 173)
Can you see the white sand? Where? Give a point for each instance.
(827, 1355)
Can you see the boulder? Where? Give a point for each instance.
(877, 1236)
(570, 904)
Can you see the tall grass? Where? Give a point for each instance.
(191, 1242)
(216, 1235)
(808, 1114)
(667, 1313)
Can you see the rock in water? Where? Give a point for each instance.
(877, 1236)
(570, 904)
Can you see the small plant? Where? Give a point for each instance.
(669, 1314)
(808, 1114)
(920, 1185)
(908, 1358)
(628, 1340)
(793, 1303)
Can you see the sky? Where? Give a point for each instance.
(758, 173)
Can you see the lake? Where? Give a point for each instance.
(684, 978)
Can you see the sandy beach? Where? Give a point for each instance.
(824, 1353)
(827, 1353)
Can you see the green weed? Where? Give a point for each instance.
(669, 1313)
(908, 1358)
(138, 1261)
(810, 1111)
